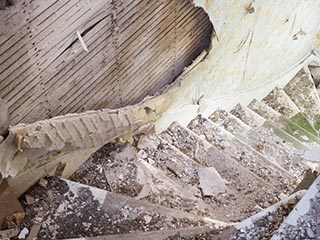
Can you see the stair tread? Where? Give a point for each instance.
(239, 151)
(164, 155)
(263, 224)
(67, 209)
(302, 91)
(278, 100)
(250, 137)
(267, 129)
(281, 122)
(248, 189)
(247, 116)
(125, 173)
(274, 146)
(303, 220)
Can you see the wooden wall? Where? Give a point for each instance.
(135, 47)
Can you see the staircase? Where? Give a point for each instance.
(237, 174)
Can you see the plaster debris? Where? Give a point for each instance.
(211, 183)
(24, 233)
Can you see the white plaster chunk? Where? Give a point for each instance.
(23, 234)
(211, 183)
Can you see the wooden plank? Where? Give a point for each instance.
(25, 86)
(139, 47)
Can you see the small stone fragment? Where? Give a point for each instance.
(30, 200)
(43, 182)
(143, 154)
(211, 183)
(177, 170)
(23, 234)
(310, 233)
(258, 208)
(147, 219)
(266, 204)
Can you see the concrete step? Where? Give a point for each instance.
(247, 134)
(65, 209)
(267, 129)
(124, 172)
(281, 102)
(263, 224)
(169, 159)
(303, 221)
(281, 122)
(238, 150)
(245, 190)
(302, 91)
(295, 152)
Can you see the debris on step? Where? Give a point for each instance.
(121, 171)
(164, 154)
(170, 193)
(235, 148)
(76, 210)
(229, 122)
(266, 129)
(281, 102)
(124, 173)
(211, 183)
(244, 189)
(281, 122)
(263, 224)
(278, 144)
(303, 221)
(23, 234)
(93, 171)
(247, 116)
(302, 91)
(11, 211)
(170, 160)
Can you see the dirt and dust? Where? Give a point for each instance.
(62, 213)
(244, 190)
